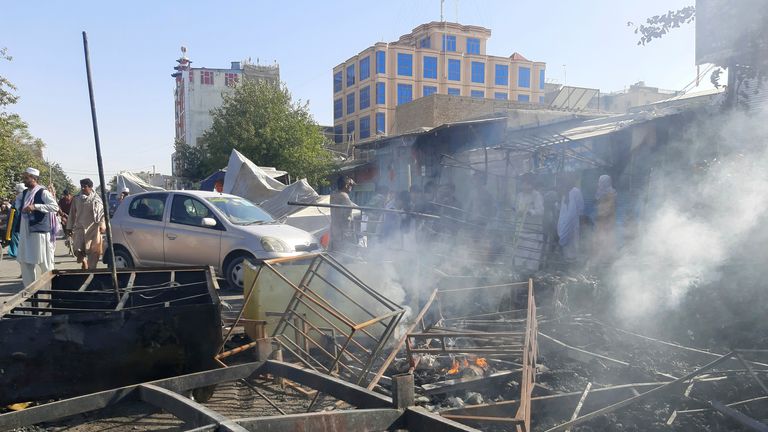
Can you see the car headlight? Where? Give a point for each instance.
(271, 244)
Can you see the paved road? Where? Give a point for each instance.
(10, 274)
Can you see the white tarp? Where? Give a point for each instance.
(314, 220)
(246, 179)
(299, 191)
(134, 183)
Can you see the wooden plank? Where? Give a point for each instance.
(127, 292)
(581, 403)
(87, 282)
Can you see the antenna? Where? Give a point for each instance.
(441, 10)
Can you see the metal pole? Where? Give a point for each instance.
(104, 199)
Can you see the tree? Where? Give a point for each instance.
(261, 121)
(190, 161)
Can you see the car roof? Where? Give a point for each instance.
(196, 193)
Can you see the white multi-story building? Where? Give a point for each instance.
(200, 90)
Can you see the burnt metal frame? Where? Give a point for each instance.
(292, 321)
(528, 353)
(41, 291)
(377, 412)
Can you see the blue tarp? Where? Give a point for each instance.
(209, 182)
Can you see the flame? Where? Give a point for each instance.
(454, 369)
(481, 362)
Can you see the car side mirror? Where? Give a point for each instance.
(209, 222)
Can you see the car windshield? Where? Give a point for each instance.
(240, 211)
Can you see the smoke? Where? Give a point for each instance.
(700, 216)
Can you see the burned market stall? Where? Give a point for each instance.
(72, 332)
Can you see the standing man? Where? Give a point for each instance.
(38, 227)
(13, 246)
(86, 220)
(569, 223)
(65, 204)
(340, 217)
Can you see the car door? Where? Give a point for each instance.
(144, 227)
(187, 241)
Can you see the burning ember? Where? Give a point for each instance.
(459, 365)
(481, 362)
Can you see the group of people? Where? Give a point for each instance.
(560, 215)
(40, 218)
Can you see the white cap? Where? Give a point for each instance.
(126, 190)
(33, 171)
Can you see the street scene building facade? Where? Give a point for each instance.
(200, 90)
(435, 58)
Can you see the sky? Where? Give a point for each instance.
(134, 45)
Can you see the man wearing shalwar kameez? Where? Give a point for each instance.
(86, 220)
(38, 227)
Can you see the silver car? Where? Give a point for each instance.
(201, 228)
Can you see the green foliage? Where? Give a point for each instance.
(261, 121)
(19, 149)
(190, 161)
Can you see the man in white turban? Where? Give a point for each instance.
(38, 227)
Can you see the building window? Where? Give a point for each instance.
(449, 43)
(206, 77)
(381, 62)
(523, 98)
(404, 93)
(477, 94)
(230, 79)
(365, 68)
(502, 75)
(350, 103)
(365, 98)
(338, 134)
(454, 91)
(350, 75)
(524, 77)
(500, 96)
(428, 90)
(478, 72)
(454, 70)
(430, 67)
(365, 127)
(541, 100)
(473, 46)
(380, 124)
(337, 82)
(338, 110)
(351, 130)
(425, 42)
(405, 64)
(381, 93)
(541, 78)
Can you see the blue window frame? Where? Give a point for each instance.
(338, 134)
(430, 67)
(541, 99)
(477, 94)
(338, 110)
(502, 75)
(524, 77)
(449, 43)
(478, 72)
(365, 97)
(337, 82)
(428, 90)
(365, 127)
(381, 62)
(541, 78)
(523, 98)
(454, 70)
(405, 64)
(350, 75)
(404, 93)
(381, 93)
(500, 96)
(365, 68)
(350, 129)
(350, 103)
(425, 42)
(454, 91)
(473, 46)
(381, 126)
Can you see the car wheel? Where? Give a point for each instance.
(235, 271)
(123, 259)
